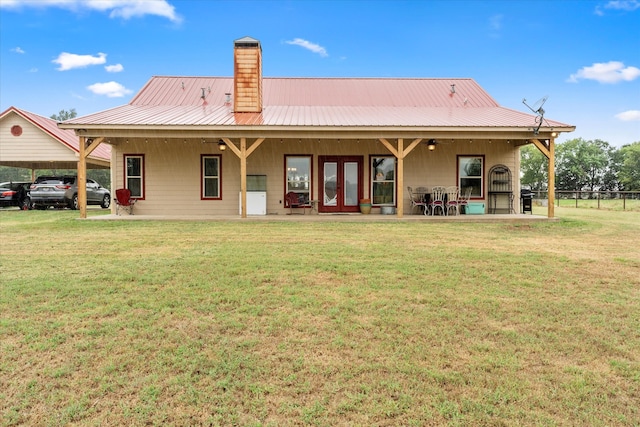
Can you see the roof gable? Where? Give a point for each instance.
(66, 137)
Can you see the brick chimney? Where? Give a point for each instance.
(247, 76)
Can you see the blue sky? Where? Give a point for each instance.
(96, 54)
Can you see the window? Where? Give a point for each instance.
(470, 174)
(134, 174)
(298, 175)
(383, 180)
(211, 177)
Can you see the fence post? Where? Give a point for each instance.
(598, 200)
(624, 201)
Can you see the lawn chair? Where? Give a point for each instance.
(437, 200)
(295, 200)
(453, 194)
(417, 200)
(124, 201)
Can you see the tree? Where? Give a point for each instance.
(64, 115)
(534, 169)
(611, 178)
(630, 170)
(581, 165)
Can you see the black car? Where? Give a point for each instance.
(62, 191)
(15, 193)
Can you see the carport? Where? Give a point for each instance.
(28, 140)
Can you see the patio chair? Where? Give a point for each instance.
(295, 201)
(417, 200)
(124, 201)
(437, 200)
(451, 203)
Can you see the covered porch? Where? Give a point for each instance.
(413, 161)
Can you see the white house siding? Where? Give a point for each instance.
(34, 145)
(172, 170)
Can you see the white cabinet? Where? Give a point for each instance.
(256, 203)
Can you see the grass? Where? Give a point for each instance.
(258, 323)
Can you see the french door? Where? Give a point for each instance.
(341, 183)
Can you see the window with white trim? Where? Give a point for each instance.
(471, 174)
(134, 174)
(383, 181)
(298, 175)
(211, 177)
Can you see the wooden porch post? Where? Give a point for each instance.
(84, 152)
(400, 201)
(243, 152)
(551, 193)
(243, 176)
(400, 154)
(82, 178)
(549, 153)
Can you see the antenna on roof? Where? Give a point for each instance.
(538, 110)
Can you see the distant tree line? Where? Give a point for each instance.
(584, 166)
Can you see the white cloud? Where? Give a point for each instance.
(313, 47)
(125, 9)
(629, 116)
(114, 68)
(606, 72)
(68, 61)
(628, 5)
(624, 5)
(18, 49)
(33, 70)
(110, 89)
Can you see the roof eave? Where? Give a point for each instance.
(362, 132)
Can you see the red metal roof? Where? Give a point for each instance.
(66, 137)
(322, 102)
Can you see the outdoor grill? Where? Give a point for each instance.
(526, 200)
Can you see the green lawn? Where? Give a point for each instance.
(275, 323)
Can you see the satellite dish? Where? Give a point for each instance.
(537, 109)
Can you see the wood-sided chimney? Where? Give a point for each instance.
(247, 76)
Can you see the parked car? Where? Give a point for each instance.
(62, 191)
(14, 193)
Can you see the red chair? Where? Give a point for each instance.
(295, 200)
(124, 200)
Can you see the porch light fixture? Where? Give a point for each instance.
(431, 145)
(222, 145)
(553, 134)
(453, 89)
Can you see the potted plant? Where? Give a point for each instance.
(365, 206)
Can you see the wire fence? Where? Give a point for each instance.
(610, 200)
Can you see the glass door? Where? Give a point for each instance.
(341, 183)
